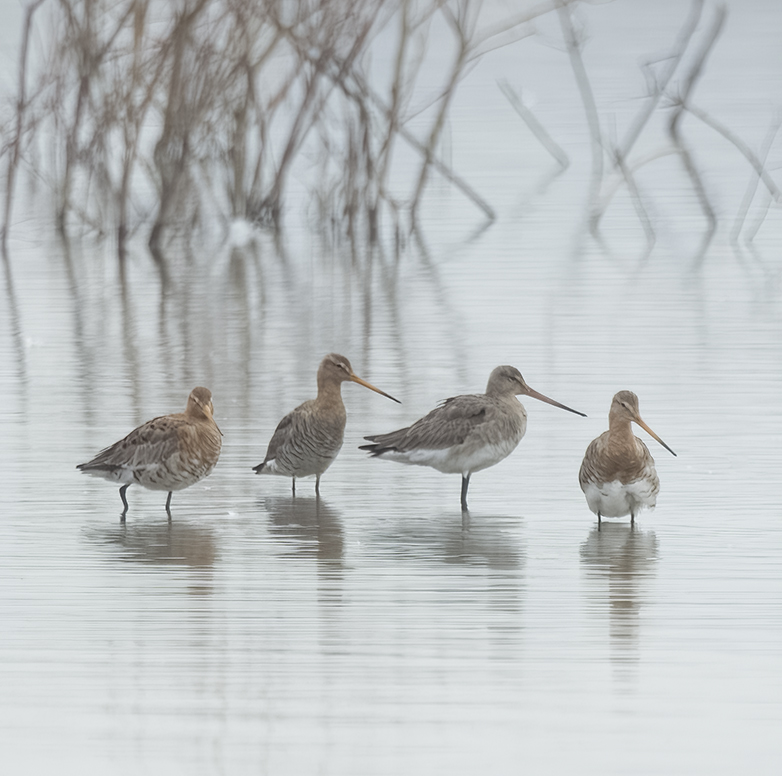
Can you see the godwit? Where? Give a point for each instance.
(170, 453)
(617, 474)
(465, 433)
(307, 440)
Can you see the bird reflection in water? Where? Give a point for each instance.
(624, 557)
(484, 554)
(485, 542)
(167, 543)
(308, 527)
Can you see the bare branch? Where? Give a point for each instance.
(535, 126)
(674, 129)
(590, 106)
(14, 150)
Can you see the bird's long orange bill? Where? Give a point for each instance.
(372, 388)
(535, 395)
(653, 435)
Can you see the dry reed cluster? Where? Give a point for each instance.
(170, 115)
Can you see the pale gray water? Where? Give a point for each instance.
(379, 631)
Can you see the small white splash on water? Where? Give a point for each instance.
(241, 233)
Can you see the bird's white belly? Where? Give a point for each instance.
(121, 474)
(617, 499)
(454, 460)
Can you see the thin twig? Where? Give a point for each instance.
(741, 146)
(657, 87)
(534, 125)
(590, 106)
(674, 130)
(21, 108)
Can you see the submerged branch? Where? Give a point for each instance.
(752, 187)
(15, 149)
(534, 125)
(657, 88)
(674, 130)
(590, 106)
(756, 163)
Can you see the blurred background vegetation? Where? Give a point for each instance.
(171, 121)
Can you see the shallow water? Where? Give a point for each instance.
(378, 629)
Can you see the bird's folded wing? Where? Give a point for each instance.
(445, 426)
(156, 440)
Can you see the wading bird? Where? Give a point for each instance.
(465, 434)
(617, 474)
(170, 453)
(307, 440)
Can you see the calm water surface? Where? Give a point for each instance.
(378, 630)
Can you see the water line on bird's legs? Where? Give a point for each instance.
(465, 485)
(124, 500)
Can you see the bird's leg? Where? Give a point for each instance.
(293, 485)
(168, 503)
(632, 519)
(465, 485)
(598, 521)
(124, 500)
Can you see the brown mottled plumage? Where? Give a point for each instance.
(466, 433)
(169, 453)
(617, 474)
(308, 439)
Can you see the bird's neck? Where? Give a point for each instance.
(493, 393)
(195, 413)
(511, 400)
(621, 433)
(329, 393)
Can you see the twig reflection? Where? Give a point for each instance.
(674, 129)
(16, 334)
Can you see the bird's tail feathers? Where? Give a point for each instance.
(97, 467)
(376, 449)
